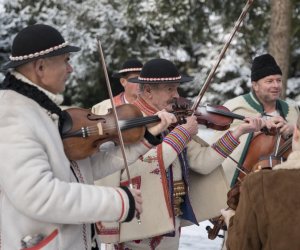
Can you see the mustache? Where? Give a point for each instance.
(171, 101)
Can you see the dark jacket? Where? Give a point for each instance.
(268, 214)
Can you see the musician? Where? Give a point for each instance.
(46, 200)
(267, 216)
(163, 173)
(130, 69)
(263, 99)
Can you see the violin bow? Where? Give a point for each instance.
(221, 55)
(102, 61)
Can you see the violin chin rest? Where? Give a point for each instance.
(67, 123)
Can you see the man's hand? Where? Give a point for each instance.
(191, 125)
(166, 119)
(227, 214)
(250, 125)
(285, 129)
(137, 195)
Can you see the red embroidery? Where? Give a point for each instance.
(155, 241)
(149, 159)
(136, 182)
(155, 171)
(108, 231)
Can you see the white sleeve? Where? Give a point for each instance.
(28, 180)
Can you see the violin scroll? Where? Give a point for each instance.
(219, 224)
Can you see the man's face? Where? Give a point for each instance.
(162, 95)
(131, 89)
(56, 71)
(268, 89)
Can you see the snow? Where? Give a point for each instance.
(195, 238)
(189, 33)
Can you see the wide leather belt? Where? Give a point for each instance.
(178, 192)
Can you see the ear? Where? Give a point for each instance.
(123, 81)
(39, 67)
(148, 90)
(254, 86)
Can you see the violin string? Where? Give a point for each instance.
(285, 146)
(136, 122)
(278, 138)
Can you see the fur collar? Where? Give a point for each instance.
(57, 99)
(44, 98)
(292, 162)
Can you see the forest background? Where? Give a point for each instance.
(191, 33)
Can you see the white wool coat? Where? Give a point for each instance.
(207, 189)
(39, 193)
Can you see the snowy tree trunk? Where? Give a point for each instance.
(280, 36)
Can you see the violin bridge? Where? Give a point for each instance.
(100, 128)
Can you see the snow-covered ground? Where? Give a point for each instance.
(195, 238)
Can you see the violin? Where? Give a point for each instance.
(83, 131)
(216, 117)
(265, 152)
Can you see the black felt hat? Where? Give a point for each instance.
(264, 65)
(130, 66)
(37, 41)
(160, 71)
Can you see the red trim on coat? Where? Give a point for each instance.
(44, 242)
(136, 182)
(101, 230)
(164, 179)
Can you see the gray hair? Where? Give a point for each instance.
(143, 86)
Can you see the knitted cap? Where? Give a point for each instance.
(264, 65)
